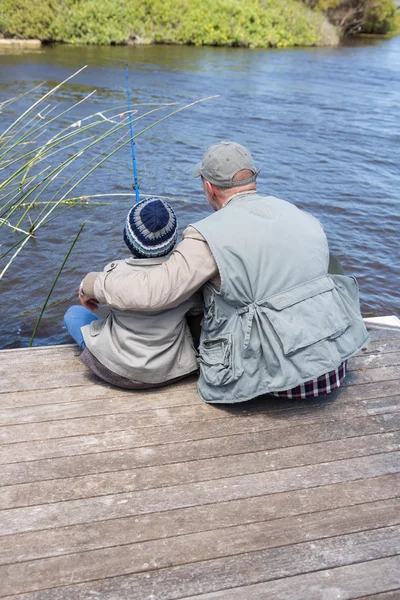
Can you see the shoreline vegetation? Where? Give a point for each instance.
(240, 23)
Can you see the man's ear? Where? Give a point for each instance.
(209, 188)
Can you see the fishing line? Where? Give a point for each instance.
(135, 176)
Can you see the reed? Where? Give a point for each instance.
(54, 283)
(46, 154)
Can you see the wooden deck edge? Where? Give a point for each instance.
(389, 321)
(40, 348)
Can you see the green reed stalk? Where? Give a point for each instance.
(55, 282)
(41, 220)
(40, 155)
(77, 155)
(47, 95)
(16, 98)
(135, 136)
(119, 148)
(29, 131)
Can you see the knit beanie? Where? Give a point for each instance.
(151, 228)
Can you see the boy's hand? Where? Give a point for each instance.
(86, 301)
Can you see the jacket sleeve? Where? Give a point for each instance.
(164, 286)
(88, 284)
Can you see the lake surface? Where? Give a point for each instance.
(322, 124)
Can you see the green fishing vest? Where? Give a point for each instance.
(278, 319)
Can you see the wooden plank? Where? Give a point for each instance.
(208, 492)
(170, 395)
(345, 582)
(96, 405)
(32, 358)
(70, 365)
(116, 420)
(13, 383)
(43, 375)
(131, 479)
(147, 556)
(77, 377)
(365, 361)
(41, 349)
(379, 333)
(84, 392)
(342, 582)
(372, 375)
(338, 583)
(351, 391)
(84, 425)
(273, 442)
(380, 493)
(393, 595)
(276, 452)
(55, 406)
(383, 405)
(47, 377)
(164, 426)
(224, 429)
(69, 362)
(382, 346)
(128, 402)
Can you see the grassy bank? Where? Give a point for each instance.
(253, 23)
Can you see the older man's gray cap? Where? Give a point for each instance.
(222, 161)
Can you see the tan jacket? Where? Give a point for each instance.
(162, 287)
(189, 267)
(142, 346)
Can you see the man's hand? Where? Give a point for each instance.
(90, 303)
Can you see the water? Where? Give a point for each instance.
(323, 125)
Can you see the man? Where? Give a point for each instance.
(274, 320)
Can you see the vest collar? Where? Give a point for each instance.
(237, 196)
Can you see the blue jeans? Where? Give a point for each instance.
(75, 318)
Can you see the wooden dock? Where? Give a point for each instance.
(110, 494)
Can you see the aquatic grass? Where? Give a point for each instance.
(26, 187)
(47, 95)
(60, 270)
(41, 154)
(18, 97)
(74, 157)
(44, 166)
(56, 140)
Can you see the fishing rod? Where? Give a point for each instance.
(135, 176)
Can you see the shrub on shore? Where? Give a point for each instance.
(252, 23)
(360, 16)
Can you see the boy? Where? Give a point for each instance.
(137, 350)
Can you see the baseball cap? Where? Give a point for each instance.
(222, 161)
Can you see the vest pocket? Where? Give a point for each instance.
(216, 358)
(212, 319)
(307, 314)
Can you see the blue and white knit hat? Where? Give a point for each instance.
(151, 228)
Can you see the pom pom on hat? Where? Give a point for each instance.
(151, 228)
